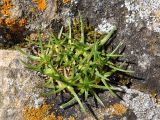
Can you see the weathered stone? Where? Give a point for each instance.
(17, 86)
(137, 27)
(36, 19)
(143, 105)
(137, 23)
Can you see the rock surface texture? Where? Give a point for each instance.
(17, 86)
(138, 27)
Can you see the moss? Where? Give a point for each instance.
(89, 31)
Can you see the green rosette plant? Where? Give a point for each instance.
(75, 65)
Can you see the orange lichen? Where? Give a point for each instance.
(66, 1)
(6, 1)
(41, 113)
(41, 4)
(5, 12)
(10, 22)
(71, 118)
(13, 24)
(15, 27)
(22, 22)
(5, 7)
(36, 113)
(59, 118)
(117, 109)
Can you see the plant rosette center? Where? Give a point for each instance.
(75, 65)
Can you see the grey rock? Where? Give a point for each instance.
(143, 105)
(137, 23)
(17, 86)
(36, 19)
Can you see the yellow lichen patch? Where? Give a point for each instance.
(16, 27)
(5, 19)
(5, 7)
(5, 12)
(41, 4)
(22, 22)
(59, 118)
(6, 1)
(36, 113)
(41, 113)
(71, 118)
(10, 22)
(66, 1)
(117, 109)
(50, 117)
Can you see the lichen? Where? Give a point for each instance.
(117, 109)
(41, 4)
(6, 7)
(41, 113)
(66, 1)
(12, 29)
(147, 11)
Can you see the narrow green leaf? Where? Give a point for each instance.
(21, 51)
(107, 37)
(114, 55)
(31, 57)
(49, 84)
(29, 66)
(118, 46)
(86, 94)
(60, 33)
(68, 103)
(70, 31)
(97, 98)
(99, 87)
(82, 29)
(40, 42)
(108, 87)
(111, 65)
(77, 98)
(103, 78)
(52, 92)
